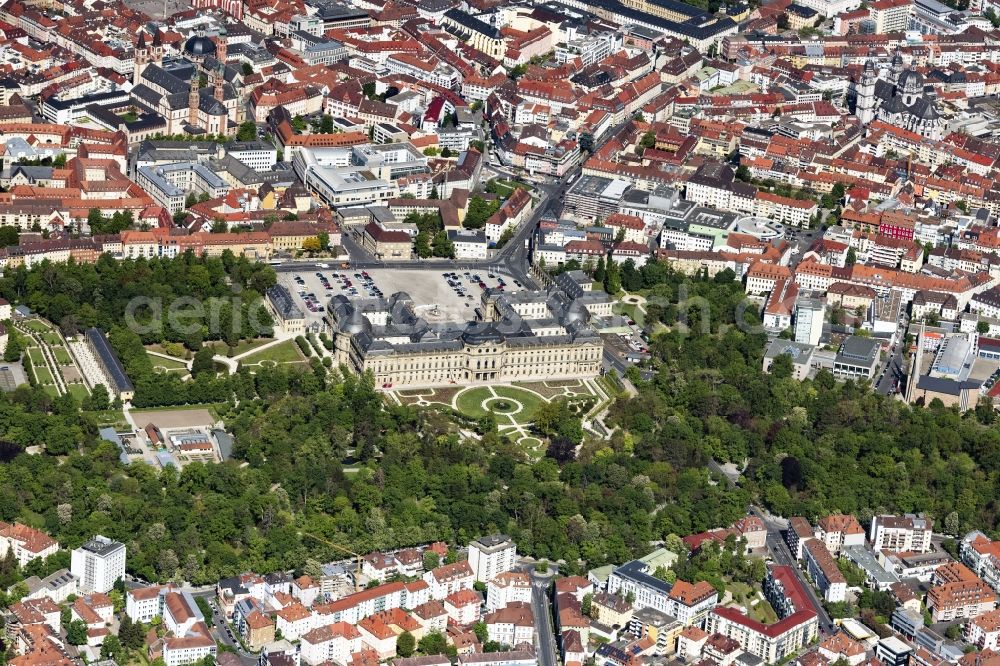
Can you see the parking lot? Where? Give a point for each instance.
(438, 295)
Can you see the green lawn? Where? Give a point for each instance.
(762, 612)
(630, 310)
(62, 356)
(78, 391)
(470, 402)
(51, 390)
(283, 352)
(167, 363)
(51, 338)
(529, 401)
(43, 375)
(243, 347)
(35, 354)
(36, 325)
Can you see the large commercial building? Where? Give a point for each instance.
(98, 564)
(522, 336)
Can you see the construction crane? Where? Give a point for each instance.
(357, 573)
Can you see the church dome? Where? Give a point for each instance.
(199, 46)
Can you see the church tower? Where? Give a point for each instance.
(896, 68)
(158, 48)
(221, 47)
(141, 58)
(864, 106)
(193, 98)
(219, 82)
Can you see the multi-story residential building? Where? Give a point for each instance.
(294, 621)
(797, 627)
(982, 555)
(965, 596)
(907, 533)
(648, 591)
(25, 542)
(824, 572)
(450, 578)
(715, 185)
(984, 631)
(690, 603)
(506, 588)
(98, 564)
(511, 625)
(334, 642)
(799, 532)
(463, 607)
(837, 530)
(492, 555)
(145, 603)
(189, 639)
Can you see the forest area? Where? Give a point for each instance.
(809, 448)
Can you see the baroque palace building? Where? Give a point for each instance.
(522, 336)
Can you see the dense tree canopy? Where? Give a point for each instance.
(807, 448)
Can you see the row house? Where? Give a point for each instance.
(825, 573)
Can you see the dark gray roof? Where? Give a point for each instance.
(199, 46)
(109, 359)
(283, 303)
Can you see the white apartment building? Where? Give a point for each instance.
(907, 533)
(824, 571)
(26, 542)
(491, 556)
(330, 643)
(507, 588)
(450, 578)
(511, 625)
(145, 603)
(98, 564)
(838, 530)
(771, 642)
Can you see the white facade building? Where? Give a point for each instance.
(98, 564)
(492, 555)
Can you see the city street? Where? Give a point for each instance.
(541, 607)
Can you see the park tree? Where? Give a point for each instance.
(612, 278)
(203, 361)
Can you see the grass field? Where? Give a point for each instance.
(36, 325)
(166, 363)
(521, 405)
(243, 347)
(283, 352)
(43, 375)
(51, 338)
(35, 354)
(62, 356)
(530, 402)
(51, 390)
(78, 391)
